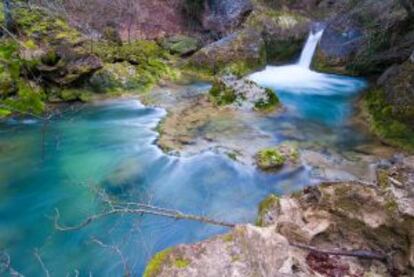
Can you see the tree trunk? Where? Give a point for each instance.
(8, 18)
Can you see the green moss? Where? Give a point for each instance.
(154, 266)
(388, 128)
(30, 99)
(269, 203)
(150, 61)
(270, 159)
(270, 103)
(228, 237)
(4, 113)
(181, 263)
(221, 94)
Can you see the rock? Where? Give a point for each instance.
(181, 45)
(398, 83)
(115, 77)
(73, 65)
(347, 215)
(223, 16)
(240, 53)
(271, 159)
(284, 32)
(242, 94)
(357, 46)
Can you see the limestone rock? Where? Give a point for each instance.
(242, 94)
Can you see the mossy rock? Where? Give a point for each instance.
(268, 205)
(389, 128)
(221, 94)
(180, 45)
(270, 159)
(154, 266)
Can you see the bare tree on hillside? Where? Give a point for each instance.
(8, 18)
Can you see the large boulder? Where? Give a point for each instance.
(241, 52)
(284, 32)
(223, 16)
(364, 37)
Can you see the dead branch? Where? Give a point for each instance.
(140, 209)
(42, 264)
(363, 254)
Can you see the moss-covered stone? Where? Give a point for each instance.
(180, 45)
(270, 203)
(243, 93)
(270, 159)
(389, 128)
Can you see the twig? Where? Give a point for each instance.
(118, 251)
(363, 254)
(42, 264)
(5, 265)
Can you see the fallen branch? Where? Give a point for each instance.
(139, 210)
(363, 254)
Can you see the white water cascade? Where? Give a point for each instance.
(310, 47)
(300, 79)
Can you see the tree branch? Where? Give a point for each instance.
(363, 254)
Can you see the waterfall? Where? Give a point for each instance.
(310, 48)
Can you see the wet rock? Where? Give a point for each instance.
(242, 94)
(347, 215)
(239, 53)
(223, 16)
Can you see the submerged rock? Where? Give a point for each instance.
(243, 94)
(271, 159)
(347, 216)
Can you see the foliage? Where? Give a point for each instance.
(384, 124)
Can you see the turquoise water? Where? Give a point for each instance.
(110, 146)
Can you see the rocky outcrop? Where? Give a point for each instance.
(242, 94)
(348, 216)
(239, 52)
(273, 159)
(364, 38)
(223, 16)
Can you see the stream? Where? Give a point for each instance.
(111, 146)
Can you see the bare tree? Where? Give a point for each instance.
(8, 18)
